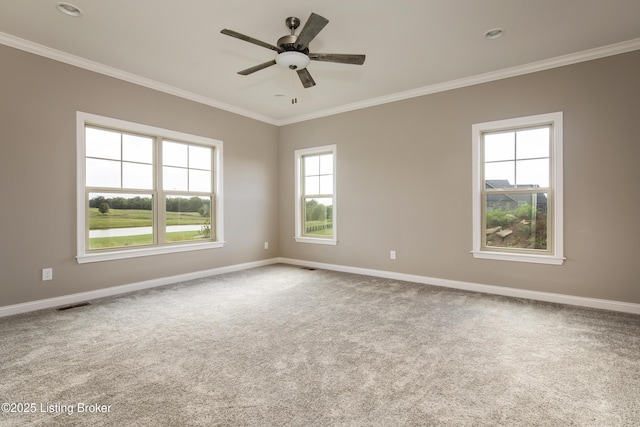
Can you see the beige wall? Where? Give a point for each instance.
(404, 181)
(38, 104)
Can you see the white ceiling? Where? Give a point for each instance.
(412, 46)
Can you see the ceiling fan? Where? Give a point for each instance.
(293, 50)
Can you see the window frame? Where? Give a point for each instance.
(84, 254)
(299, 156)
(554, 254)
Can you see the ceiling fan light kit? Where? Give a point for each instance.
(293, 50)
(293, 60)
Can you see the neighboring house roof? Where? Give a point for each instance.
(517, 198)
(498, 183)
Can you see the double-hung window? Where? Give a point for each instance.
(315, 183)
(517, 189)
(143, 190)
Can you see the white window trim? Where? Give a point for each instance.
(298, 155)
(555, 119)
(84, 119)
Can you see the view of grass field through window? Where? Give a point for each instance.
(122, 220)
(130, 204)
(319, 217)
(318, 195)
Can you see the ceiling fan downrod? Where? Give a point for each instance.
(292, 24)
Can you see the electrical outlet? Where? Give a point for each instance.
(47, 274)
(392, 255)
(266, 245)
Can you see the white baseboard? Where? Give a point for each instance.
(624, 307)
(620, 306)
(26, 307)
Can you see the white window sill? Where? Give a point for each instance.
(316, 240)
(517, 257)
(135, 253)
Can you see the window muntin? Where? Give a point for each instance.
(315, 195)
(118, 160)
(517, 189)
(186, 167)
(516, 162)
(141, 194)
(187, 217)
(519, 156)
(318, 195)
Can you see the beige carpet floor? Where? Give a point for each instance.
(285, 346)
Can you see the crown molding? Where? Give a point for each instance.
(76, 61)
(560, 61)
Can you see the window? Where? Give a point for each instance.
(316, 195)
(144, 190)
(517, 189)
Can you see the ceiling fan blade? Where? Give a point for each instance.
(257, 68)
(305, 78)
(311, 28)
(342, 58)
(249, 39)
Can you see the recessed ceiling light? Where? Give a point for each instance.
(69, 9)
(494, 33)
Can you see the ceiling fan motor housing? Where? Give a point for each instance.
(287, 42)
